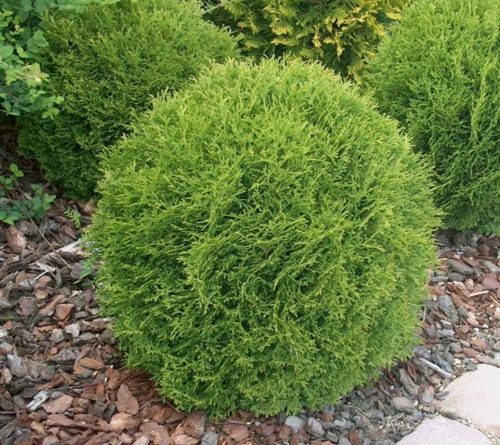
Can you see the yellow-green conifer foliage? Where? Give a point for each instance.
(108, 63)
(439, 75)
(265, 237)
(341, 33)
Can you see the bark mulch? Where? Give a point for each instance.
(62, 379)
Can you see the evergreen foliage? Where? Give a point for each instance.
(265, 236)
(439, 75)
(108, 63)
(341, 34)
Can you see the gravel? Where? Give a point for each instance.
(295, 423)
(56, 346)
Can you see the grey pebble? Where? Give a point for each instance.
(443, 333)
(454, 276)
(314, 427)
(295, 423)
(67, 355)
(375, 414)
(471, 366)
(445, 303)
(17, 366)
(332, 437)
(460, 267)
(493, 268)
(422, 352)
(210, 438)
(342, 424)
(57, 336)
(403, 404)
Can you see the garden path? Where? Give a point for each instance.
(472, 410)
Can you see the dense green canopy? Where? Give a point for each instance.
(265, 237)
(439, 75)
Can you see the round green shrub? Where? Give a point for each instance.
(108, 63)
(265, 237)
(439, 75)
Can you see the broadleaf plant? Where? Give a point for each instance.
(13, 207)
(22, 79)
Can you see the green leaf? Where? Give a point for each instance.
(18, 173)
(20, 51)
(6, 51)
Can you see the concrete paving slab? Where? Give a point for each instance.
(442, 431)
(475, 397)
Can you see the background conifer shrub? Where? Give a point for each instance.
(108, 63)
(265, 237)
(439, 75)
(341, 34)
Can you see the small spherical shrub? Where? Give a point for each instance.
(265, 237)
(340, 34)
(108, 63)
(439, 75)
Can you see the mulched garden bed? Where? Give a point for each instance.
(62, 380)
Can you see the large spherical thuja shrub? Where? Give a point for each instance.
(108, 63)
(439, 75)
(264, 237)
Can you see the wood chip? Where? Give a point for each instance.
(59, 405)
(59, 420)
(15, 239)
(114, 378)
(157, 433)
(126, 402)
(91, 363)
(37, 427)
(194, 424)
(63, 311)
(160, 413)
(184, 439)
(121, 421)
(236, 431)
(143, 440)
